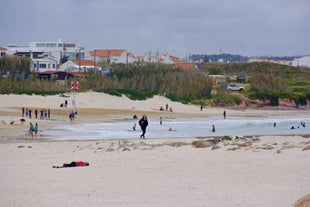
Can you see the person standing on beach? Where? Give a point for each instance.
(31, 130)
(48, 113)
(36, 113)
(36, 129)
(143, 124)
(224, 114)
(30, 113)
(72, 117)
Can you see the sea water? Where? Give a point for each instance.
(180, 127)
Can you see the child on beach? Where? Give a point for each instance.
(36, 129)
(31, 130)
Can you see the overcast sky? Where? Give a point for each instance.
(245, 27)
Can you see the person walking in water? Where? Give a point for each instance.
(143, 124)
(213, 128)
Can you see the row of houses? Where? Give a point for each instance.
(61, 56)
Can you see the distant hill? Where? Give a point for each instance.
(237, 58)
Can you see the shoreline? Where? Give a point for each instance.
(98, 107)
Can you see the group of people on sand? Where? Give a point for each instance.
(44, 113)
(167, 107)
(64, 105)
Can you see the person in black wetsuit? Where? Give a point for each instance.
(143, 124)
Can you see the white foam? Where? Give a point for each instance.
(191, 127)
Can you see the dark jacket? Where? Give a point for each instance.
(143, 123)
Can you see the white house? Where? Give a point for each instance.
(113, 56)
(79, 65)
(158, 58)
(46, 63)
(303, 61)
(57, 49)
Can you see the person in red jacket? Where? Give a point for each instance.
(73, 164)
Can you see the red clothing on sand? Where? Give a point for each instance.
(80, 163)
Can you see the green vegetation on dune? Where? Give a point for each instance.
(265, 81)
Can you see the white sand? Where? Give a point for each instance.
(145, 175)
(162, 176)
(93, 100)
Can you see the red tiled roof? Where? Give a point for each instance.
(2, 48)
(185, 65)
(106, 53)
(86, 63)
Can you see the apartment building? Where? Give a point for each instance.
(48, 55)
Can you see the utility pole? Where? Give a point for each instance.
(94, 59)
(127, 59)
(80, 59)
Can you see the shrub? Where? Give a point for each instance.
(226, 137)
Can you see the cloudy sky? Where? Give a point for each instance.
(245, 27)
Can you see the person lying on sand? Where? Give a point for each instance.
(73, 164)
(22, 121)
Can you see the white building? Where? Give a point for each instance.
(46, 53)
(79, 66)
(112, 56)
(303, 62)
(46, 63)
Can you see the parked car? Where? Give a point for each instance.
(221, 86)
(234, 87)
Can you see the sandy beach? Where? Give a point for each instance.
(259, 171)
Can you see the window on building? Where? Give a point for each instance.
(41, 45)
(51, 45)
(42, 65)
